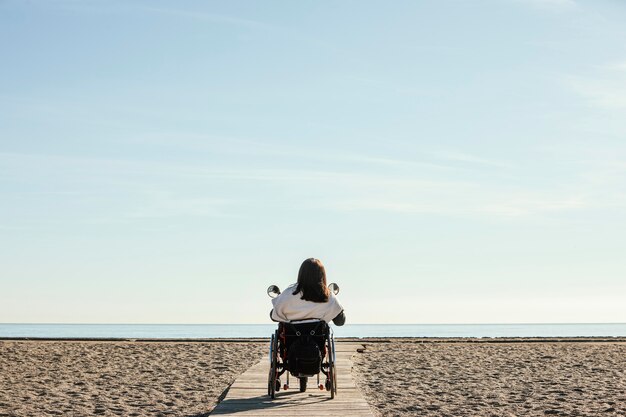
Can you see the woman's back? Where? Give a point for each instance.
(309, 298)
(291, 307)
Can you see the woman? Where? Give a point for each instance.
(309, 298)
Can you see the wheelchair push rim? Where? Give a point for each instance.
(272, 379)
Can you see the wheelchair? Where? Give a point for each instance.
(303, 349)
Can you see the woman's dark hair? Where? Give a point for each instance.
(312, 281)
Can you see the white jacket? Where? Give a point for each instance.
(290, 307)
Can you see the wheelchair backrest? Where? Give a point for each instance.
(305, 346)
(312, 328)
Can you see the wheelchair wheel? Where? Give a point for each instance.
(332, 340)
(303, 381)
(332, 374)
(272, 380)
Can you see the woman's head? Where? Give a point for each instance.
(312, 281)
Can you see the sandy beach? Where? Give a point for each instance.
(398, 378)
(494, 379)
(119, 378)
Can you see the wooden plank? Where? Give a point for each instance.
(248, 397)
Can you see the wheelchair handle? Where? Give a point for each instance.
(273, 291)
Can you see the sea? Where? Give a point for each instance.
(236, 331)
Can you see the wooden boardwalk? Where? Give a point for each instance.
(248, 394)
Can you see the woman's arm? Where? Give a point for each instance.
(340, 320)
(272, 318)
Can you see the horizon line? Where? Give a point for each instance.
(347, 324)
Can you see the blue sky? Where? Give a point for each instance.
(449, 162)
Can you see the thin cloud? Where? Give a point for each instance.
(242, 146)
(131, 174)
(123, 7)
(168, 206)
(550, 5)
(528, 205)
(616, 66)
(240, 22)
(469, 158)
(484, 203)
(604, 89)
(441, 160)
(160, 190)
(606, 93)
(213, 17)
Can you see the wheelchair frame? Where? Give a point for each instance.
(278, 364)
